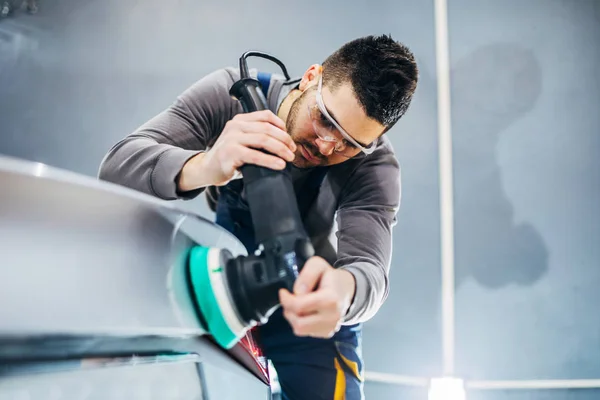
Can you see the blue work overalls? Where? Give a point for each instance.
(307, 368)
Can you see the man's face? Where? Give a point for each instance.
(307, 126)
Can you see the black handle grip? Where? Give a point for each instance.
(270, 193)
(277, 228)
(249, 93)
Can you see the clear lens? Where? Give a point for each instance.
(327, 132)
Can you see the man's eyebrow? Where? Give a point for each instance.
(332, 115)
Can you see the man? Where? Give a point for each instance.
(330, 125)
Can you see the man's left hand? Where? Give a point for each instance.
(322, 295)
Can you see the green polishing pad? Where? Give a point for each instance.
(208, 283)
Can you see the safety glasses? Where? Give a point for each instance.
(344, 148)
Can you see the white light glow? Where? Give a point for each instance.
(39, 169)
(447, 389)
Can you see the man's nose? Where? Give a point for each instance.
(325, 147)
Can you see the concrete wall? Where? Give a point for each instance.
(80, 75)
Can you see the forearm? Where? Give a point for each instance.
(143, 164)
(364, 250)
(192, 176)
(370, 291)
(152, 158)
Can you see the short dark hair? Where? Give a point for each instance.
(383, 74)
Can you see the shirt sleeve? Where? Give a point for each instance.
(365, 218)
(151, 158)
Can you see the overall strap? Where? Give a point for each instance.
(265, 80)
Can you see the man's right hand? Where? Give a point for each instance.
(240, 143)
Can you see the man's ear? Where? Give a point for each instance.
(310, 77)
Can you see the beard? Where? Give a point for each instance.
(291, 126)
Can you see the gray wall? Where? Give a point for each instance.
(526, 123)
(525, 95)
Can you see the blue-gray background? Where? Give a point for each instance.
(81, 74)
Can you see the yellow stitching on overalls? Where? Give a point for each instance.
(352, 365)
(340, 381)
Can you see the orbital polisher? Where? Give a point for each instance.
(233, 294)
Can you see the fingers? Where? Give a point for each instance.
(316, 325)
(247, 155)
(268, 143)
(265, 122)
(262, 116)
(315, 314)
(246, 139)
(311, 303)
(310, 275)
(270, 131)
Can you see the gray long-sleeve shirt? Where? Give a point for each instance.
(361, 196)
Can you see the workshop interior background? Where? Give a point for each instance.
(78, 75)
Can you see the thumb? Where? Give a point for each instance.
(284, 297)
(310, 275)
